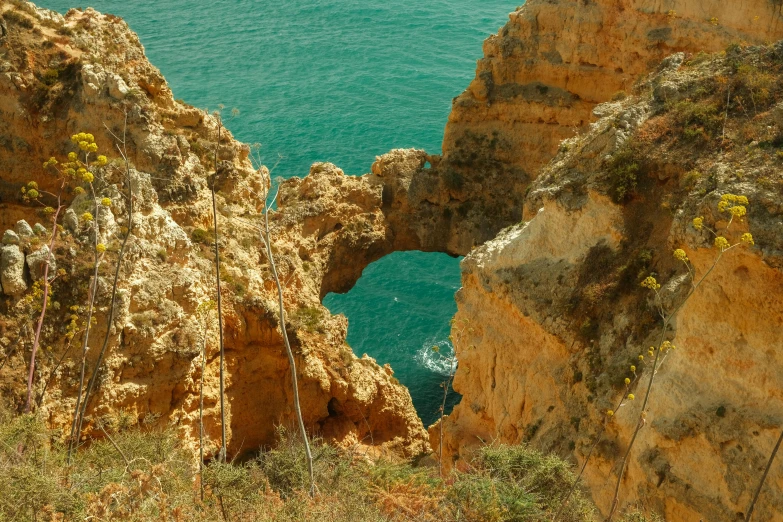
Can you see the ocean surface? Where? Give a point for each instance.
(339, 81)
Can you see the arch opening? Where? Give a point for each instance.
(399, 309)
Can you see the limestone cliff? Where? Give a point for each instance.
(86, 72)
(552, 315)
(545, 71)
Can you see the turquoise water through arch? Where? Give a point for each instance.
(339, 81)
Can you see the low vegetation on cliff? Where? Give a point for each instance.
(143, 473)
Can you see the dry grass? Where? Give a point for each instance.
(142, 475)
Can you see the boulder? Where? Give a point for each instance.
(23, 228)
(12, 270)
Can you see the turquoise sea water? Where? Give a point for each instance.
(339, 81)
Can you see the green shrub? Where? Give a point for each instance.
(516, 484)
(145, 474)
(309, 318)
(624, 172)
(203, 236)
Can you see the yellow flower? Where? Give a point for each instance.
(32, 185)
(641, 357)
(92, 147)
(89, 138)
(100, 247)
(723, 205)
(78, 190)
(627, 381)
(88, 177)
(106, 202)
(49, 210)
(742, 200)
(87, 216)
(722, 243)
(667, 345)
(650, 352)
(747, 238)
(72, 156)
(737, 211)
(633, 369)
(651, 283)
(70, 172)
(101, 161)
(680, 255)
(609, 413)
(32, 194)
(631, 396)
(84, 145)
(698, 223)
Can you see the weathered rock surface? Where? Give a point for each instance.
(12, 270)
(552, 314)
(545, 71)
(98, 80)
(23, 228)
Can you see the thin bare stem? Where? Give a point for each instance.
(113, 443)
(446, 385)
(90, 305)
(201, 410)
(764, 477)
(292, 363)
(219, 304)
(37, 338)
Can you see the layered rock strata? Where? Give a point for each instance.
(552, 315)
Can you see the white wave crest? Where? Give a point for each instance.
(440, 361)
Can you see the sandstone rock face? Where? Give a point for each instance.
(152, 368)
(545, 71)
(552, 314)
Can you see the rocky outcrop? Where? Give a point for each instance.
(552, 315)
(86, 72)
(545, 71)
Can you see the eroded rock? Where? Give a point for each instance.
(12, 270)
